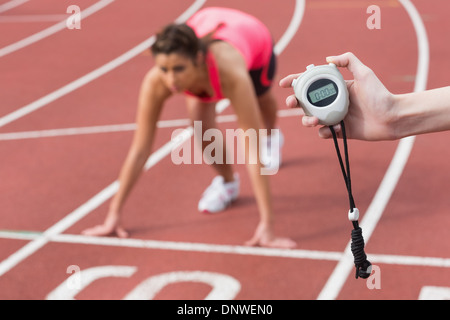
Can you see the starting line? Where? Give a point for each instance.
(224, 249)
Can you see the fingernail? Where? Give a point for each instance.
(310, 121)
(291, 101)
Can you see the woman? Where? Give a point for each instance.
(219, 53)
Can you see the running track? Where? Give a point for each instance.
(67, 106)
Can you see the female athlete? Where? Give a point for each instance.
(219, 53)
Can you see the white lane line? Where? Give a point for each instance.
(106, 193)
(228, 249)
(175, 245)
(291, 30)
(11, 4)
(411, 260)
(51, 30)
(175, 123)
(345, 266)
(200, 247)
(76, 84)
(69, 131)
(33, 18)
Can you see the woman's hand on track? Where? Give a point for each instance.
(264, 237)
(111, 226)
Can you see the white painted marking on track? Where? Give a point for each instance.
(290, 32)
(434, 293)
(226, 249)
(51, 30)
(11, 4)
(83, 278)
(374, 212)
(224, 287)
(107, 192)
(33, 18)
(122, 127)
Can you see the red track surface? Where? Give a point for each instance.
(45, 179)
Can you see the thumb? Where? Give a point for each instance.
(121, 232)
(347, 60)
(253, 242)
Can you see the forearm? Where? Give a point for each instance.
(261, 188)
(129, 174)
(422, 112)
(151, 99)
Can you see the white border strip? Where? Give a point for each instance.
(345, 266)
(51, 30)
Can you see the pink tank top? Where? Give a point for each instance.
(243, 31)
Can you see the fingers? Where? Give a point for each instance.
(325, 132)
(351, 62)
(346, 60)
(308, 121)
(263, 237)
(279, 243)
(292, 102)
(121, 233)
(253, 242)
(99, 230)
(287, 81)
(103, 230)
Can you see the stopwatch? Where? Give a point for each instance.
(322, 92)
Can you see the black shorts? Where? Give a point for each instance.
(262, 78)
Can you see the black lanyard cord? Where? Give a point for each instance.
(346, 174)
(363, 266)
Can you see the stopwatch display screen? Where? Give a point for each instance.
(322, 92)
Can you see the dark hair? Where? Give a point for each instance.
(178, 38)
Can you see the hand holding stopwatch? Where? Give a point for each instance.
(322, 93)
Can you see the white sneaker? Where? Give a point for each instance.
(219, 195)
(270, 152)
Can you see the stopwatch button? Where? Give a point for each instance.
(294, 82)
(310, 67)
